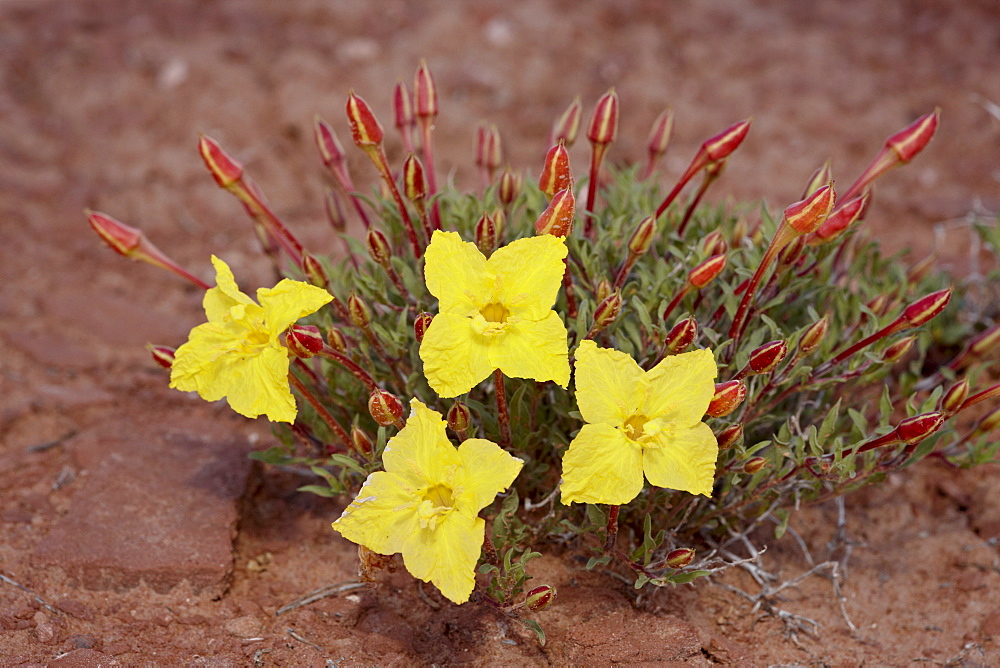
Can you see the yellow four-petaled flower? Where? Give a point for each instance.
(640, 422)
(495, 313)
(426, 503)
(238, 353)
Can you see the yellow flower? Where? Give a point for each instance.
(640, 422)
(494, 314)
(426, 503)
(237, 354)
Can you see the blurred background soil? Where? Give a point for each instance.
(134, 531)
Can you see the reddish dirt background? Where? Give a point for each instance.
(132, 511)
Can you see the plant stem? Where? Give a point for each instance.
(503, 413)
(324, 414)
(612, 532)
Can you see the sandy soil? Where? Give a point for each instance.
(131, 510)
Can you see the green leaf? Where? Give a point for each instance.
(319, 490)
(536, 627)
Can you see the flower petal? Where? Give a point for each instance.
(456, 274)
(421, 453)
(258, 385)
(530, 272)
(382, 516)
(683, 459)
(218, 300)
(456, 359)
(447, 555)
(533, 349)
(610, 386)
(288, 301)
(601, 466)
(486, 471)
(681, 387)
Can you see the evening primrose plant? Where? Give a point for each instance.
(643, 381)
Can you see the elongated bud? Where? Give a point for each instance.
(162, 355)
(365, 128)
(378, 247)
(679, 558)
(989, 422)
(878, 303)
(898, 350)
(985, 342)
(723, 144)
(540, 598)
(917, 428)
(385, 408)
(841, 219)
(556, 174)
(768, 356)
(681, 336)
(642, 237)
(819, 178)
(361, 315)
(225, 170)
(920, 270)
(361, 441)
(754, 464)
(567, 126)
(926, 308)
(740, 231)
(334, 210)
(425, 97)
(304, 340)
(121, 238)
(806, 216)
(814, 336)
(500, 221)
(414, 181)
(330, 149)
(714, 243)
(335, 339)
(480, 143)
(604, 289)
(707, 271)
(728, 396)
(420, 325)
(402, 106)
(607, 311)
(956, 395)
(912, 139)
(790, 254)
(603, 126)
(459, 417)
(315, 272)
(730, 436)
(486, 234)
(659, 134)
(509, 187)
(557, 219)
(493, 149)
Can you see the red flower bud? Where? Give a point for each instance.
(378, 247)
(842, 218)
(162, 355)
(486, 234)
(765, 358)
(714, 243)
(819, 178)
(604, 123)
(385, 408)
(730, 436)
(420, 325)
(315, 272)
(361, 441)
(365, 128)
(556, 174)
(402, 106)
(926, 308)
(360, 314)
(898, 350)
(493, 149)
(813, 336)
(604, 289)
(335, 339)
(806, 216)
(642, 237)
(425, 96)
(681, 336)
(917, 428)
(740, 231)
(414, 182)
(334, 210)
(224, 169)
(707, 271)
(540, 598)
(304, 340)
(607, 311)
(956, 395)
(509, 187)
(912, 139)
(330, 148)
(792, 252)
(989, 422)
(459, 417)
(985, 342)
(659, 134)
(557, 219)
(754, 464)
(123, 239)
(728, 396)
(723, 144)
(679, 558)
(568, 125)
(920, 270)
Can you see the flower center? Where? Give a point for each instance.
(634, 426)
(437, 503)
(495, 312)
